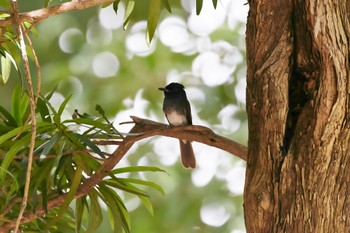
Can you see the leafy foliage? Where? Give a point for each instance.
(155, 7)
(66, 155)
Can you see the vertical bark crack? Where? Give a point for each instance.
(297, 98)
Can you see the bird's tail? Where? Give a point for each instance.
(187, 155)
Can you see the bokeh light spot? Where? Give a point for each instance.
(105, 65)
(214, 214)
(136, 41)
(109, 19)
(70, 40)
(174, 34)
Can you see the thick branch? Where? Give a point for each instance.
(193, 133)
(39, 15)
(143, 129)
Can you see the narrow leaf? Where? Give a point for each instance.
(70, 196)
(8, 119)
(79, 210)
(12, 47)
(153, 18)
(4, 15)
(48, 146)
(199, 5)
(147, 203)
(125, 187)
(17, 146)
(57, 118)
(44, 194)
(43, 110)
(215, 3)
(42, 126)
(5, 69)
(166, 5)
(115, 6)
(116, 206)
(35, 33)
(95, 214)
(89, 143)
(47, 3)
(88, 121)
(137, 169)
(19, 105)
(48, 96)
(128, 10)
(143, 182)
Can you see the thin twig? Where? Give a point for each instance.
(36, 16)
(19, 29)
(37, 66)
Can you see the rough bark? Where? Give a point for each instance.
(298, 111)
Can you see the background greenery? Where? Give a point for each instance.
(208, 199)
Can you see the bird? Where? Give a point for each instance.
(177, 111)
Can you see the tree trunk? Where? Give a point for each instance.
(298, 167)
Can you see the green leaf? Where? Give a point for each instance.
(43, 110)
(125, 187)
(48, 145)
(167, 5)
(30, 53)
(42, 126)
(17, 146)
(49, 95)
(44, 172)
(34, 31)
(57, 117)
(12, 47)
(130, 5)
(143, 182)
(88, 121)
(100, 110)
(88, 143)
(19, 105)
(95, 213)
(47, 3)
(79, 211)
(44, 195)
(4, 15)
(147, 203)
(8, 119)
(115, 6)
(115, 206)
(137, 169)
(14, 187)
(153, 18)
(215, 3)
(70, 196)
(199, 5)
(5, 69)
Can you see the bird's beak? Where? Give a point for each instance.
(163, 89)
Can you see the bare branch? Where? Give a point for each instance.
(193, 133)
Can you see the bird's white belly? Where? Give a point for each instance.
(176, 119)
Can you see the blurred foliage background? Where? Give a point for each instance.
(88, 54)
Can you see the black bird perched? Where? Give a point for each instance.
(177, 111)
